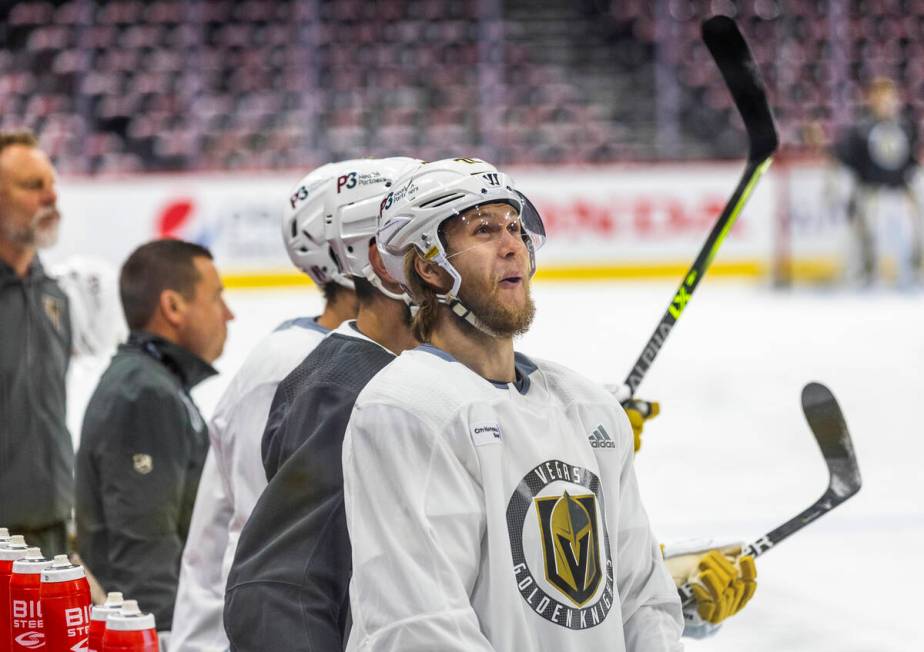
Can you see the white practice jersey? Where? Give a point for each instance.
(489, 516)
(231, 483)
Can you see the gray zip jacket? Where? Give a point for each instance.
(141, 453)
(36, 452)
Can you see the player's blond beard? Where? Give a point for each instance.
(41, 232)
(502, 320)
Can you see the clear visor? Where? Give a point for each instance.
(492, 222)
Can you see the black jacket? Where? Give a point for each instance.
(141, 454)
(879, 152)
(287, 589)
(36, 452)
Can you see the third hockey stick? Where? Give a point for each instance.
(734, 60)
(827, 423)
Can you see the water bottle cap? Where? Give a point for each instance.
(13, 549)
(4, 533)
(129, 618)
(32, 563)
(103, 611)
(62, 570)
(111, 606)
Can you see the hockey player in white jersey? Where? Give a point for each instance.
(491, 498)
(233, 477)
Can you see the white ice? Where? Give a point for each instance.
(730, 454)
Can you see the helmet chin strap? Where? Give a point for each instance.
(463, 312)
(451, 298)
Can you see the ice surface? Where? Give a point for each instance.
(731, 455)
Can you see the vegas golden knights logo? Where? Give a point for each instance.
(576, 587)
(54, 310)
(570, 544)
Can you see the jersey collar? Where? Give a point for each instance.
(522, 366)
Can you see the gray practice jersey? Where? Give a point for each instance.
(287, 589)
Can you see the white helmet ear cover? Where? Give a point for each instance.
(304, 232)
(393, 261)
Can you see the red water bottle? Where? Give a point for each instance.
(11, 550)
(27, 628)
(130, 630)
(65, 596)
(98, 616)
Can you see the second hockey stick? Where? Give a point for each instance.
(830, 430)
(731, 54)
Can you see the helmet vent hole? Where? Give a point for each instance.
(439, 201)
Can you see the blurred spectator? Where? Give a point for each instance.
(879, 150)
(35, 345)
(144, 442)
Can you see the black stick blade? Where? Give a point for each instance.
(826, 420)
(731, 54)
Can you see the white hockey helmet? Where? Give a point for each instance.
(424, 198)
(354, 212)
(304, 225)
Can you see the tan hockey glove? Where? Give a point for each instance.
(639, 412)
(723, 582)
(723, 585)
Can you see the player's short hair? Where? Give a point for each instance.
(424, 297)
(152, 268)
(17, 137)
(332, 291)
(365, 291)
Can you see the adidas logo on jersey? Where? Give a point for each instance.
(600, 438)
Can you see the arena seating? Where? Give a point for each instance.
(128, 85)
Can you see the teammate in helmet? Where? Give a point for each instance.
(233, 477)
(481, 515)
(287, 589)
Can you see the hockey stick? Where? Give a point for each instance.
(734, 60)
(827, 423)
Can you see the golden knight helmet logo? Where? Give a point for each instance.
(570, 544)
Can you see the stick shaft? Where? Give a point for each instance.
(691, 279)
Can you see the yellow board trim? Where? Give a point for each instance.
(748, 269)
(809, 269)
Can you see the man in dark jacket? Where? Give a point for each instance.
(880, 151)
(36, 453)
(144, 442)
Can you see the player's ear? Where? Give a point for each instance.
(375, 259)
(432, 274)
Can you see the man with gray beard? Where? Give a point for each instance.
(36, 453)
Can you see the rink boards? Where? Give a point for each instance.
(628, 221)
